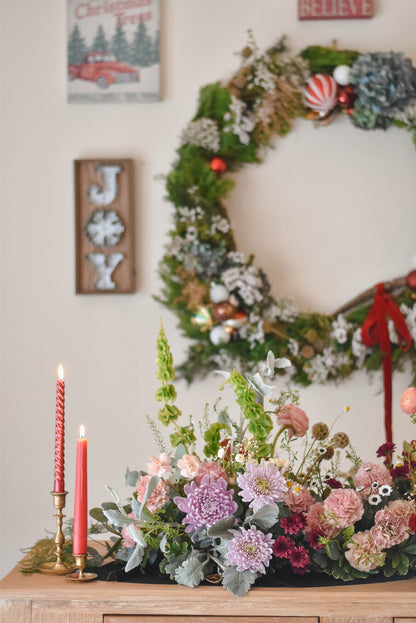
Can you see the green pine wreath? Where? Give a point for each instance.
(222, 299)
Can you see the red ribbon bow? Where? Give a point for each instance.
(374, 331)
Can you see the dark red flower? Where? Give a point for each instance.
(313, 539)
(334, 483)
(299, 559)
(386, 448)
(400, 472)
(412, 523)
(293, 524)
(282, 547)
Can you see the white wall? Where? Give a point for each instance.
(107, 343)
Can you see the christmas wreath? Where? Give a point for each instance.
(222, 299)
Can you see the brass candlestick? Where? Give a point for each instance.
(80, 575)
(57, 567)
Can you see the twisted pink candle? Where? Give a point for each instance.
(59, 486)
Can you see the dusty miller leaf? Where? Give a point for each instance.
(131, 478)
(238, 582)
(221, 529)
(191, 571)
(265, 517)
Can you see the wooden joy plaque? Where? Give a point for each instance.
(104, 226)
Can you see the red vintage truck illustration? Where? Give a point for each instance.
(104, 69)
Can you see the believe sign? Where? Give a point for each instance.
(335, 9)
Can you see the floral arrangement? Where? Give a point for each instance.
(221, 298)
(267, 495)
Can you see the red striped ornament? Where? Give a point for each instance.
(320, 93)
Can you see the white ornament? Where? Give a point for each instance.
(104, 228)
(342, 75)
(218, 335)
(218, 293)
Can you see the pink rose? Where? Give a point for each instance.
(370, 477)
(213, 468)
(189, 466)
(295, 418)
(363, 553)
(408, 401)
(343, 507)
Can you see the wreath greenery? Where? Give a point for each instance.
(221, 298)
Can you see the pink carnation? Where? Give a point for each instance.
(370, 477)
(293, 417)
(159, 496)
(363, 553)
(298, 501)
(389, 529)
(213, 468)
(343, 507)
(317, 522)
(159, 466)
(127, 540)
(189, 465)
(408, 401)
(402, 508)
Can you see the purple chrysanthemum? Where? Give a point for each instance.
(250, 550)
(261, 484)
(207, 503)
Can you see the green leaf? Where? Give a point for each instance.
(333, 550)
(238, 582)
(409, 546)
(98, 515)
(395, 561)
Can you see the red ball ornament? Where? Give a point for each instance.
(411, 280)
(346, 96)
(218, 165)
(223, 311)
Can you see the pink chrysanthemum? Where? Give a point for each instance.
(293, 524)
(299, 559)
(261, 484)
(249, 550)
(207, 503)
(282, 547)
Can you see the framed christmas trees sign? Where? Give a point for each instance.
(113, 51)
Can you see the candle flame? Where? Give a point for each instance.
(60, 372)
(82, 432)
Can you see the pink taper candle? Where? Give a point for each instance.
(79, 546)
(59, 484)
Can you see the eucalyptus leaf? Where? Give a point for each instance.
(180, 451)
(265, 517)
(238, 582)
(131, 478)
(98, 515)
